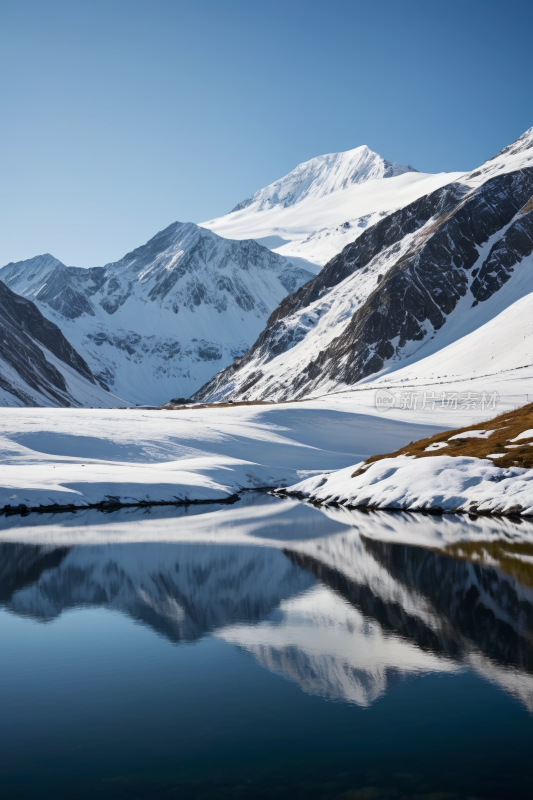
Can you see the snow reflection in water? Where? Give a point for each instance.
(345, 604)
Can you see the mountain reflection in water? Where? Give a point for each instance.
(346, 614)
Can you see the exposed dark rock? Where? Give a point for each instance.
(424, 286)
(515, 244)
(292, 278)
(22, 329)
(209, 351)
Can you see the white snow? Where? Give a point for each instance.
(80, 457)
(491, 344)
(324, 175)
(524, 435)
(159, 456)
(451, 484)
(142, 455)
(486, 341)
(473, 435)
(80, 391)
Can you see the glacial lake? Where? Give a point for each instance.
(265, 649)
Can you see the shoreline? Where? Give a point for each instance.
(110, 506)
(481, 470)
(23, 510)
(433, 511)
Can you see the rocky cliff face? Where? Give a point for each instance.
(395, 287)
(37, 363)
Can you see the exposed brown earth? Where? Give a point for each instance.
(193, 407)
(505, 426)
(196, 406)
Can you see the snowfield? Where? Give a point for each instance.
(86, 457)
(67, 456)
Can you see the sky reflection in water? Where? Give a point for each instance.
(265, 649)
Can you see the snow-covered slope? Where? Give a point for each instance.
(167, 316)
(451, 484)
(409, 286)
(325, 203)
(20, 274)
(38, 366)
(323, 175)
(491, 339)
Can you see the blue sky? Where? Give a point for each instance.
(119, 117)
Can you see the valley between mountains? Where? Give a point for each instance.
(348, 276)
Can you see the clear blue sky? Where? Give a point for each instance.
(119, 116)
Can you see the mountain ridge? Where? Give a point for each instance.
(161, 319)
(323, 175)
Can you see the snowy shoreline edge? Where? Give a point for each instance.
(111, 505)
(438, 485)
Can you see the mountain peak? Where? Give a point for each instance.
(19, 273)
(323, 175)
(44, 261)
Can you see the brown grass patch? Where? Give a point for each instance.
(528, 206)
(505, 426)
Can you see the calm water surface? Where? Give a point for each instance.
(267, 649)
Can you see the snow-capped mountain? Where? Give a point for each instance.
(323, 175)
(315, 210)
(167, 316)
(38, 366)
(417, 281)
